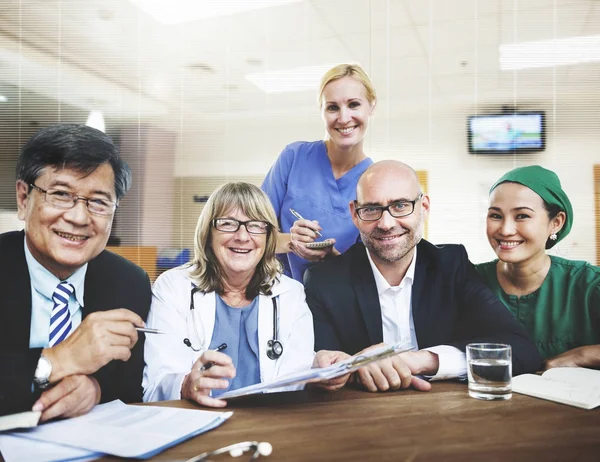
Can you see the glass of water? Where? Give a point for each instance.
(489, 366)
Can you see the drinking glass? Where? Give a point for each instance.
(489, 366)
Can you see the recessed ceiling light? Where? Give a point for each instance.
(178, 11)
(3, 99)
(288, 80)
(550, 53)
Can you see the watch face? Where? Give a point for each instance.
(43, 370)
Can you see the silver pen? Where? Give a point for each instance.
(300, 217)
(148, 330)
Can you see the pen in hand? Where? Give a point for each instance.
(148, 330)
(300, 217)
(210, 364)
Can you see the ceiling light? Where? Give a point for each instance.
(298, 79)
(178, 11)
(96, 120)
(3, 99)
(550, 53)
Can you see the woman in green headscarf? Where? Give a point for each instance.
(557, 300)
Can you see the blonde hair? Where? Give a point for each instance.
(254, 203)
(347, 70)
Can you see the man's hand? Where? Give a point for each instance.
(198, 383)
(100, 338)
(74, 395)
(396, 371)
(326, 358)
(585, 356)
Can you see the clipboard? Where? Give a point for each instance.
(319, 374)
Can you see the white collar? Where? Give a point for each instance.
(382, 284)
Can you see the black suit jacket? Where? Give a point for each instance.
(110, 282)
(450, 305)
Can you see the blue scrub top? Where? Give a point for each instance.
(238, 328)
(302, 179)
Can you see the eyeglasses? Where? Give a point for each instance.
(65, 200)
(396, 209)
(231, 225)
(236, 450)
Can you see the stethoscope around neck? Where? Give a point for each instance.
(274, 346)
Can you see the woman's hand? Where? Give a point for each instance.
(303, 232)
(203, 378)
(585, 356)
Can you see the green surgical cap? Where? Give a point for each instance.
(545, 184)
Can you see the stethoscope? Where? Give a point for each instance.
(274, 346)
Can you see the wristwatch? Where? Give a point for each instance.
(41, 377)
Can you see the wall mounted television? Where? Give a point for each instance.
(506, 133)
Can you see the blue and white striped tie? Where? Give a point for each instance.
(60, 319)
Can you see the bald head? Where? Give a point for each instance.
(388, 171)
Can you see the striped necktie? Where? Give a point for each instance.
(60, 319)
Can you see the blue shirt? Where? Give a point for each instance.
(43, 284)
(302, 179)
(238, 328)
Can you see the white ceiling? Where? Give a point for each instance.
(107, 54)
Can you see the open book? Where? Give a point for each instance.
(575, 386)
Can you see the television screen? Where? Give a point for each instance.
(506, 133)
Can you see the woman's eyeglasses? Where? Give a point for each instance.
(231, 225)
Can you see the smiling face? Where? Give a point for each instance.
(518, 225)
(346, 111)
(238, 253)
(63, 240)
(390, 240)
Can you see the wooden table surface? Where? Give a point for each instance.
(443, 424)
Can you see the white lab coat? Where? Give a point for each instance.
(169, 360)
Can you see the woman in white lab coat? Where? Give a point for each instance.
(233, 298)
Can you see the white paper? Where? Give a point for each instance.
(317, 374)
(128, 431)
(18, 449)
(20, 420)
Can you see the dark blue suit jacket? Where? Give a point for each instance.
(450, 305)
(110, 282)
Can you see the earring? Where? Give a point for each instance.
(553, 237)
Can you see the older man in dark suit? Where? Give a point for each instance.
(397, 287)
(69, 309)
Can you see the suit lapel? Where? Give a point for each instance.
(366, 294)
(16, 289)
(420, 302)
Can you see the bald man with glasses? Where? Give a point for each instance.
(395, 287)
(69, 308)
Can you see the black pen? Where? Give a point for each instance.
(148, 330)
(300, 217)
(210, 364)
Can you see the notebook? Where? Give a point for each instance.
(575, 386)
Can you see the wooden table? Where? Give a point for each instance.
(444, 424)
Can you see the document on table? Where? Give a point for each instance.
(125, 431)
(324, 373)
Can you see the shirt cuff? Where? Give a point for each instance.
(452, 362)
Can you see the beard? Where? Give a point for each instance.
(393, 253)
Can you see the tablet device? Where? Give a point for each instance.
(319, 245)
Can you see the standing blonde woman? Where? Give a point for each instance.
(318, 179)
(230, 307)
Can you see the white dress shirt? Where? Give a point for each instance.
(398, 325)
(43, 284)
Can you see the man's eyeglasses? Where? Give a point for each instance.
(65, 200)
(231, 225)
(397, 209)
(236, 450)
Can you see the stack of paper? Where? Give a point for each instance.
(325, 373)
(113, 428)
